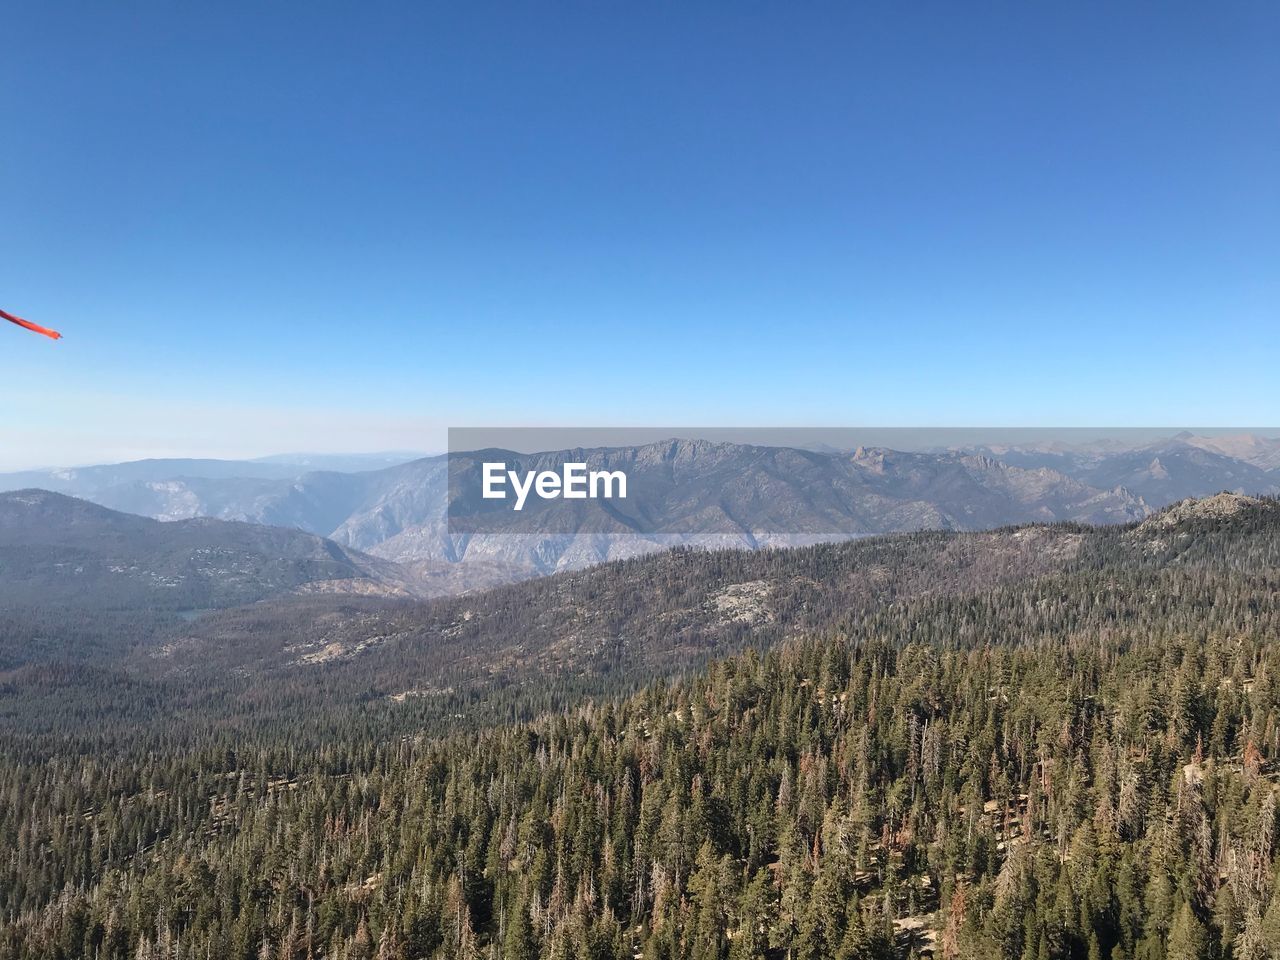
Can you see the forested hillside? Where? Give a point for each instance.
(79, 582)
(1082, 798)
(1077, 760)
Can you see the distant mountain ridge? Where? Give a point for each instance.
(726, 495)
(1164, 472)
(1260, 452)
(1250, 448)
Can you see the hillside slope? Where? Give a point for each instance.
(69, 567)
(1045, 742)
(617, 626)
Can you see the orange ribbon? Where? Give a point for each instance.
(33, 327)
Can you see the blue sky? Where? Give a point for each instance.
(270, 227)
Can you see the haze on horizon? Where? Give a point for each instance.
(1231, 441)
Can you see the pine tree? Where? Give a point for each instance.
(1188, 938)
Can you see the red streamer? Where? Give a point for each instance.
(33, 327)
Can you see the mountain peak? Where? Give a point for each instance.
(1220, 507)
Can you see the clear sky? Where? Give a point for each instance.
(271, 227)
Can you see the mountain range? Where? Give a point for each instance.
(705, 494)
